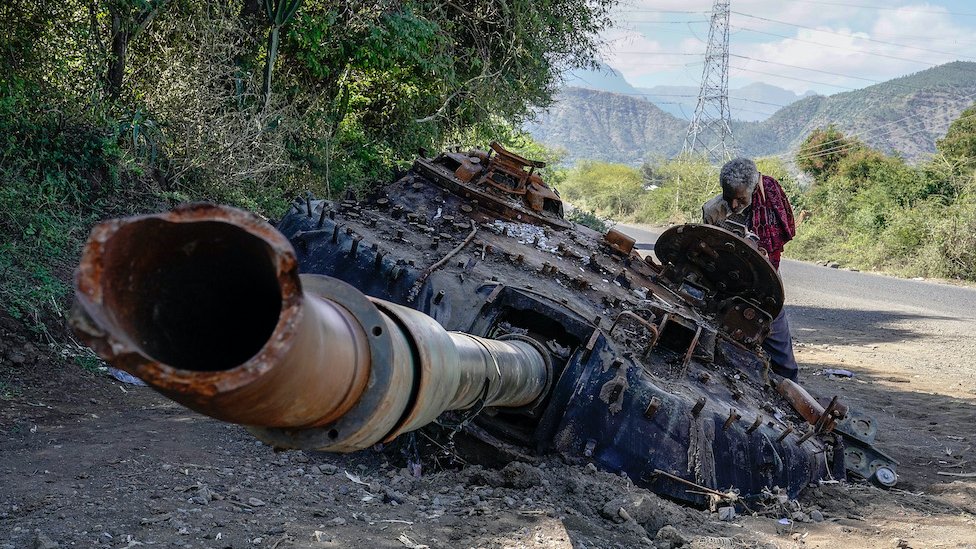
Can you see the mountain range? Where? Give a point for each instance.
(902, 116)
(749, 103)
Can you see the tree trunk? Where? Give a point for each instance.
(116, 61)
(269, 63)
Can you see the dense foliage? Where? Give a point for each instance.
(871, 210)
(113, 106)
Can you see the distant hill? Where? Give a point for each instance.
(603, 78)
(750, 103)
(592, 124)
(904, 116)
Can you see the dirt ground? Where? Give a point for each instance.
(86, 461)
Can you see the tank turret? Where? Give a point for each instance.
(461, 288)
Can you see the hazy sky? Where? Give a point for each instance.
(827, 46)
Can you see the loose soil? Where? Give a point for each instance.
(86, 461)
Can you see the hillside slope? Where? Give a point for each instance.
(607, 126)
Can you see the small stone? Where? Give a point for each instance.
(800, 516)
(18, 359)
(321, 536)
(338, 521)
(392, 496)
(816, 516)
(590, 468)
(255, 502)
(726, 513)
(668, 538)
(315, 470)
(44, 542)
(509, 501)
(328, 469)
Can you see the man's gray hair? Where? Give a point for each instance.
(739, 173)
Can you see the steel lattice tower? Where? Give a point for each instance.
(710, 131)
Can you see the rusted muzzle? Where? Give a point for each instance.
(205, 304)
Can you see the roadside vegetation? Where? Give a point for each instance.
(859, 207)
(112, 107)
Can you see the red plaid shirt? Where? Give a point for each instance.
(772, 218)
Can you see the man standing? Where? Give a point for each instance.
(759, 202)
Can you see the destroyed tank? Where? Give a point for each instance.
(460, 294)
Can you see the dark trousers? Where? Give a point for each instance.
(779, 347)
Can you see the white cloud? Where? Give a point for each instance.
(856, 57)
(843, 41)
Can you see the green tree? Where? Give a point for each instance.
(959, 143)
(611, 190)
(823, 149)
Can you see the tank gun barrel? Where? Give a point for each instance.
(205, 304)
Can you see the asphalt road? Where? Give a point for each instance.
(838, 288)
(913, 324)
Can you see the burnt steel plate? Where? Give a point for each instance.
(723, 263)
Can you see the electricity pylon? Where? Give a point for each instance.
(710, 131)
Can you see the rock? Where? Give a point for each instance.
(590, 468)
(478, 476)
(328, 469)
(833, 265)
(17, 358)
(44, 542)
(668, 537)
(321, 536)
(338, 521)
(800, 516)
(392, 496)
(521, 475)
(509, 501)
(255, 502)
(816, 516)
(726, 513)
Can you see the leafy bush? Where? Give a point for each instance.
(60, 172)
(589, 219)
(871, 210)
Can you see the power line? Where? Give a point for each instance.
(850, 35)
(864, 133)
(795, 78)
(645, 22)
(638, 10)
(877, 128)
(848, 147)
(658, 53)
(886, 8)
(835, 46)
(806, 68)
